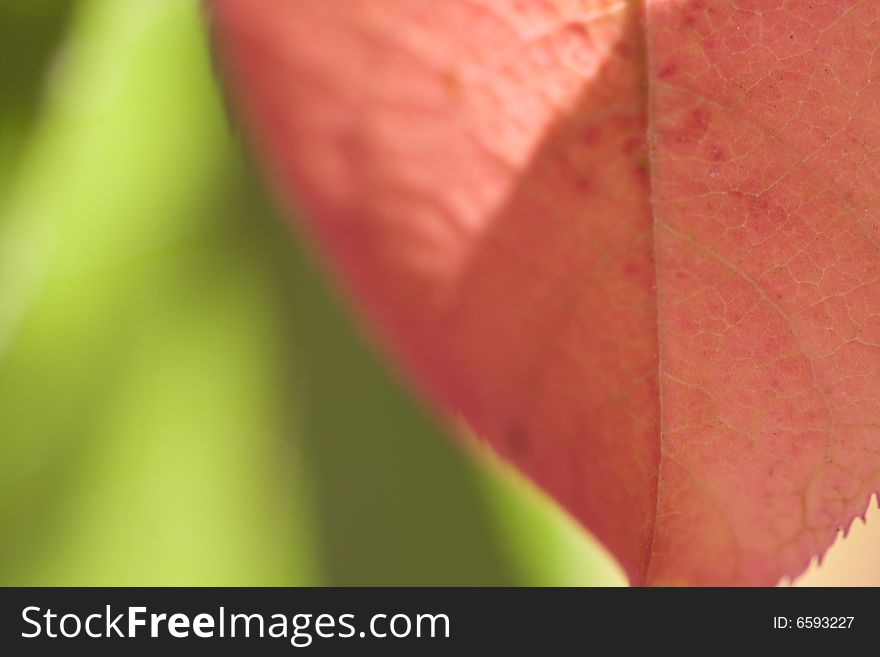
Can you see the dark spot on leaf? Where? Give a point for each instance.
(668, 70)
(517, 439)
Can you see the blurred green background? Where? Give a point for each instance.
(182, 400)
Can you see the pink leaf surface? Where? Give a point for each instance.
(633, 245)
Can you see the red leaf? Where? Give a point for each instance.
(479, 173)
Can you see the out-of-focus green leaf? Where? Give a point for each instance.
(30, 31)
(143, 440)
